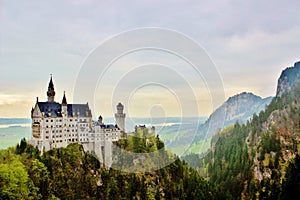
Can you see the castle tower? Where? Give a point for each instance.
(51, 92)
(100, 120)
(64, 106)
(120, 117)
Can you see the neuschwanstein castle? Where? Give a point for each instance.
(57, 124)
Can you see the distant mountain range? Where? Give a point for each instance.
(239, 108)
(187, 138)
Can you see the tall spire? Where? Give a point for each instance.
(64, 100)
(51, 86)
(51, 92)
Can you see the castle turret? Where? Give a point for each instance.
(120, 117)
(100, 120)
(64, 100)
(64, 105)
(51, 92)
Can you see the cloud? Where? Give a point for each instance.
(250, 41)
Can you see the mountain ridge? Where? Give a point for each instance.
(239, 107)
(260, 159)
(288, 80)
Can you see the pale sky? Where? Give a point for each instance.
(250, 43)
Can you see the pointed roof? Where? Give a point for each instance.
(51, 85)
(64, 100)
(120, 105)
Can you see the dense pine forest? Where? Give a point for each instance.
(259, 159)
(71, 173)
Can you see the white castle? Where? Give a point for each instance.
(56, 125)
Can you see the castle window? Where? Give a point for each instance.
(47, 137)
(70, 120)
(51, 120)
(47, 126)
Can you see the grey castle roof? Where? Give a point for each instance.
(64, 101)
(74, 110)
(110, 126)
(51, 85)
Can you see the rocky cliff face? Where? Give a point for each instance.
(259, 160)
(240, 108)
(289, 78)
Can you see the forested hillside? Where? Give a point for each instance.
(71, 173)
(239, 107)
(259, 159)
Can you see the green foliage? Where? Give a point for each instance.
(270, 142)
(291, 182)
(229, 166)
(231, 163)
(14, 180)
(71, 173)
